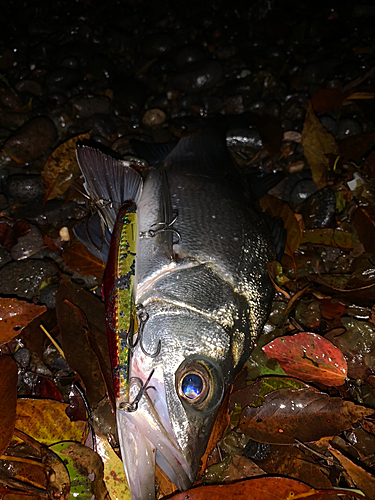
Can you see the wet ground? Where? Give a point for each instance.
(116, 71)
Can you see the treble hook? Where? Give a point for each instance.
(142, 318)
(164, 227)
(133, 406)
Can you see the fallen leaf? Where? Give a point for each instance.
(335, 238)
(310, 357)
(364, 221)
(363, 479)
(46, 421)
(8, 400)
(85, 470)
(264, 488)
(304, 414)
(291, 461)
(324, 100)
(75, 329)
(317, 142)
(353, 147)
(277, 208)
(79, 258)
(9, 235)
(241, 468)
(165, 485)
(61, 168)
(15, 315)
(271, 133)
(58, 478)
(114, 474)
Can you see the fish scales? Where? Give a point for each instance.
(202, 287)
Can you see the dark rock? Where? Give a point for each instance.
(103, 125)
(22, 357)
(4, 257)
(319, 209)
(298, 187)
(129, 96)
(33, 139)
(330, 124)
(241, 138)
(25, 277)
(9, 99)
(12, 120)
(48, 295)
(90, 105)
(6, 58)
(197, 76)
(57, 211)
(62, 78)
(25, 188)
(156, 45)
(188, 54)
(101, 67)
(347, 127)
(29, 86)
(28, 244)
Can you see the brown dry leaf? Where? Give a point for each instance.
(46, 421)
(317, 143)
(324, 100)
(363, 479)
(165, 485)
(61, 168)
(241, 468)
(79, 258)
(305, 414)
(364, 221)
(353, 147)
(220, 426)
(74, 330)
(291, 461)
(277, 208)
(8, 400)
(264, 488)
(15, 315)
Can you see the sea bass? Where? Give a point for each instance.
(198, 281)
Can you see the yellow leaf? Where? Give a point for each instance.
(114, 474)
(61, 168)
(45, 421)
(317, 142)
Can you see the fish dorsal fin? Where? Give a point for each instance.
(152, 153)
(109, 181)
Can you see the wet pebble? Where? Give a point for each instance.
(90, 105)
(188, 54)
(244, 137)
(129, 96)
(298, 187)
(33, 139)
(62, 78)
(153, 117)
(330, 124)
(25, 188)
(11, 120)
(48, 295)
(29, 86)
(199, 75)
(24, 277)
(27, 245)
(22, 357)
(101, 67)
(319, 209)
(347, 127)
(156, 45)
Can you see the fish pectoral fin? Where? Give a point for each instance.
(109, 181)
(138, 456)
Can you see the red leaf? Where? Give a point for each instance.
(15, 315)
(309, 357)
(264, 488)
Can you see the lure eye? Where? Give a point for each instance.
(192, 386)
(194, 383)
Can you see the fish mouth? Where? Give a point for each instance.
(146, 437)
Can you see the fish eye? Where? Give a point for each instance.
(193, 383)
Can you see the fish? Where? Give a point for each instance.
(187, 305)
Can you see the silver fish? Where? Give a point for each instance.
(202, 293)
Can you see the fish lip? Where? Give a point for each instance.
(169, 457)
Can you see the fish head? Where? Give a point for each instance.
(189, 378)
